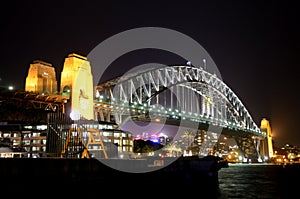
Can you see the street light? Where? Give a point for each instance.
(7, 87)
(75, 115)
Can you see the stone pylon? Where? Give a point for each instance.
(266, 128)
(41, 78)
(77, 84)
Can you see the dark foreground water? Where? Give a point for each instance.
(241, 181)
(259, 181)
(38, 178)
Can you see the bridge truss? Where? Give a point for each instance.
(179, 93)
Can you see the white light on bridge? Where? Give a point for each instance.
(75, 115)
(204, 63)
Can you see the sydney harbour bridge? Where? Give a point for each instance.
(180, 95)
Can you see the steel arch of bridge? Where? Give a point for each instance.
(138, 89)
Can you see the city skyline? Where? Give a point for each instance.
(253, 45)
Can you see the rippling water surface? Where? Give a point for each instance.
(259, 181)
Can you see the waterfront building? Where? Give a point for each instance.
(33, 139)
(30, 137)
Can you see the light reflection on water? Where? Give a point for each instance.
(257, 181)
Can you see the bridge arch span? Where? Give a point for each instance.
(207, 95)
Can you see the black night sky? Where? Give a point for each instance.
(254, 45)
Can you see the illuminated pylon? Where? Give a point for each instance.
(77, 84)
(265, 127)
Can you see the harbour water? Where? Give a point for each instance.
(238, 181)
(259, 181)
(242, 181)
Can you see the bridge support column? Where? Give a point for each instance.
(263, 149)
(248, 148)
(103, 114)
(265, 127)
(258, 145)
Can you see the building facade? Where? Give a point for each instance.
(31, 138)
